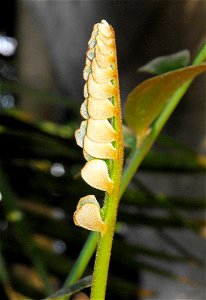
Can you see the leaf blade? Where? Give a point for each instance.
(147, 100)
(167, 63)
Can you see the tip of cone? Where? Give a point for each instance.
(104, 22)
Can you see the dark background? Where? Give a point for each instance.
(52, 39)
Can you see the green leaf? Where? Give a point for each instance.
(72, 289)
(167, 63)
(148, 99)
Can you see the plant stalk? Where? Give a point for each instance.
(109, 213)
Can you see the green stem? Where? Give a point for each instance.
(105, 244)
(139, 154)
(201, 56)
(109, 213)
